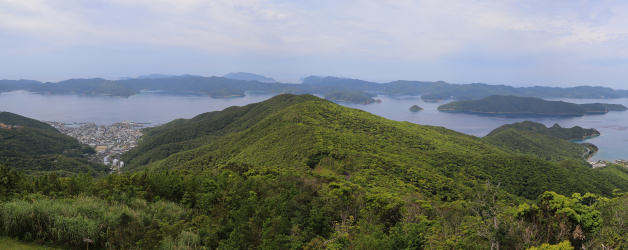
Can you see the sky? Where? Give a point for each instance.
(521, 43)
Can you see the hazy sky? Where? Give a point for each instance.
(523, 42)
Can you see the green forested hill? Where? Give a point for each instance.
(305, 132)
(546, 143)
(300, 172)
(574, 133)
(515, 105)
(35, 146)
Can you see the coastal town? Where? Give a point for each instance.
(109, 141)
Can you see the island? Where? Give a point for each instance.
(527, 106)
(356, 97)
(415, 108)
(245, 76)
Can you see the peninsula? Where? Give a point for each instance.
(527, 106)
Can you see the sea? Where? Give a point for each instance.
(152, 109)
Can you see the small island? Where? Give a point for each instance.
(527, 106)
(356, 97)
(415, 108)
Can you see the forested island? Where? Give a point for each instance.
(415, 108)
(237, 84)
(350, 97)
(298, 171)
(514, 105)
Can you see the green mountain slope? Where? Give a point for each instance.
(35, 146)
(574, 133)
(546, 143)
(311, 134)
(513, 105)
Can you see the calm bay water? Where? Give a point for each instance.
(613, 126)
(156, 109)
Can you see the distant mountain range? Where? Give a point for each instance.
(248, 77)
(236, 84)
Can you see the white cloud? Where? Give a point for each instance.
(420, 31)
(397, 28)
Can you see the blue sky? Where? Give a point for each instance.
(533, 42)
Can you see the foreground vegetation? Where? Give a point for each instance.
(8, 243)
(239, 207)
(299, 172)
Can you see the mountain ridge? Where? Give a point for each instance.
(312, 134)
(221, 87)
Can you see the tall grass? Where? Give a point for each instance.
(69, 222)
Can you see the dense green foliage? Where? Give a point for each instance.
(574, 133)
(300, 172)
(350, 97)
(514, 105)
(36, 146)
(307, 132)
(544, 146)
(238, 206)
(553, 143)
(8, 243)
(415, 108)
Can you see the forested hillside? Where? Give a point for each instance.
(34, 146)
(300, 172)
(574, 133)
(547, 143)
(306, 132)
